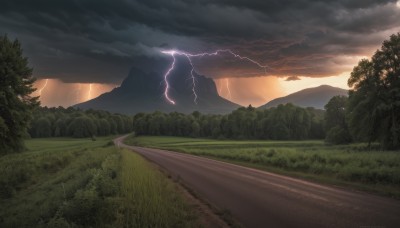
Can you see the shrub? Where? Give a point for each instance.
(338, 135)
(83, 208)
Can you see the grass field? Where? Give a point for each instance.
(63, 182)
(350, 165)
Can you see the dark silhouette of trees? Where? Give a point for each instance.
(374, 101)
(16, 104)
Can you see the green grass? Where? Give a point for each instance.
(350, 165)
(63, 182)
(151, 200)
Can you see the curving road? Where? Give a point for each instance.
(262, 199)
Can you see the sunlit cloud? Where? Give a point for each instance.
(244, 91)
(339, 81)
(54, 93)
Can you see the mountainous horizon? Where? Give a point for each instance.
(316, 97)
(144, 92)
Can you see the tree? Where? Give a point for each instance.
(195, 129)
(82, 127)
(60, 128)
(41, 128)
(338, 135)
(335, 121)
(335, 112)
(16, 102)
(105, 127)
(374, 101)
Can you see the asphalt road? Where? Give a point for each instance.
(262, 199)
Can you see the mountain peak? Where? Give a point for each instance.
(315, 97)
(144, 92)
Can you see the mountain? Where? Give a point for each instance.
(144, 92)
(316, 97)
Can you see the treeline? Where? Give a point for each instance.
(71, 122)
(371, 113)
(285, 122)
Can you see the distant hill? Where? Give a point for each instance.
(144, 92)
(316, 97)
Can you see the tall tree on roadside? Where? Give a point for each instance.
(337, 131)
(16, 102)
(374, 101)
(335, 112)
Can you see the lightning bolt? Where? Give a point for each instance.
(193, 81)
(90, 91)
(44, 86)
(227, 87)
(220, 87)
(78, 92)
(189, 56)
(166, 80)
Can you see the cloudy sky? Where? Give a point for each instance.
(93, 43)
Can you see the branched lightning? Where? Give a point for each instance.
(44, 86)
(189, 56)
(193, 81)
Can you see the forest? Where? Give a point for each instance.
(285, 122)
(71, 122)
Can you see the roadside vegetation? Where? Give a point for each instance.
(352, 165)
(83, 183)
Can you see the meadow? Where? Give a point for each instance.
(62, 182)
(353, 165)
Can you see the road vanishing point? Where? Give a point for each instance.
(263, 199)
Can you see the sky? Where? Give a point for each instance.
(85, 48)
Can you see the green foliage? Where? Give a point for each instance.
(338, 135)
(42, 127)
(374, 101)
(335, 121)
(70, 122)
(285, 122)
(16, 104)
(81, 127)
(64, 182)
(373, 169)
(45, 178)
(335, 114)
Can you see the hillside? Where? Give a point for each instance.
(315, 97)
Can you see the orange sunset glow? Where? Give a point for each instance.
(244, 91)
(54, 92)
(259, 90)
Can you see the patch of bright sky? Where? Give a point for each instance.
(308, 82)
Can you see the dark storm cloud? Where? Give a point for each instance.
(99, 40)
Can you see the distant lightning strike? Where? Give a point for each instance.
(220, 87)
(227, 87)
(78, 92)
(44, 86)
(189, 56)
(90, 91)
